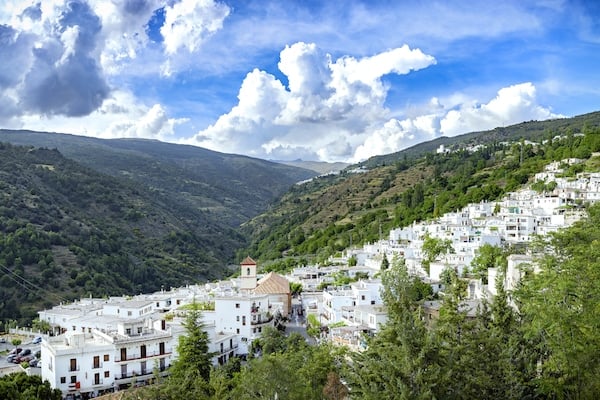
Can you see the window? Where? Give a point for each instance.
(73, 378)
(237, 318)
(128, 331)
(106, 357)
(129, 313)
(161, 347)
(63, 379)
(73, 364)
(362, 297)
(123, 354)
(247, 271)
(139, 329)
(237, 305)
(96, 362)
(143, 351)
(96, 379)
(373, 302)
(244, 320)
(106, 374)
(237, 331)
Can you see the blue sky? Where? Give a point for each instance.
(315, 80)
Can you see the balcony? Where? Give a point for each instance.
(261, 319)
(122, 379)
(227, 350)
(138, 356)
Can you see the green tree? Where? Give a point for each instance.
(433, 248)
(400, 361)
(487, 257)
(190, 372)
(385, 264)
(561, 304)
(20, 386)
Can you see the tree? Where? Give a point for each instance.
(190, 372)
(400, 361)
(334, 389)
(561, 304)
(487, 257)
(433, 248)
(385, 264)
(20, 386)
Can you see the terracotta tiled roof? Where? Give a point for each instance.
(248, 261)
(272, 283)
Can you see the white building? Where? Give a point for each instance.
(97, 362)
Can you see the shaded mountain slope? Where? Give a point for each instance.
(232, 188)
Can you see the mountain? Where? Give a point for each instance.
(362, 203)
(120, 217)
(231, 188)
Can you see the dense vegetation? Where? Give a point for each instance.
(67, 231)
(548, 348)
(120, 216)
(331, 213)
(20, 386)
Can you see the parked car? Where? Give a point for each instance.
(15, 351)
(21, 355)
(23, 359)
(11, 357)
(2, 340)
(37, 340)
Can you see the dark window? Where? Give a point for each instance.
(96, 361)
(96, 379)
(106, 357)
(73, 364)
(63, 379)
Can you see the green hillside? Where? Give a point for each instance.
(122, 216)
(229, 188)
(328, 214)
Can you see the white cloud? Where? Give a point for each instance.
(189, 22)
(122, 115)
(513, 104)
(326, 110)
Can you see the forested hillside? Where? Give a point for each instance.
(328, 214)
(230, 188)
(68, 231)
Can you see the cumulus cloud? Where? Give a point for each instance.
(325, 111)
(121, 115)
(65, 77)
(189, 22)
(513, 104)
(334, 110)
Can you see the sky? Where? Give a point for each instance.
(295, 79)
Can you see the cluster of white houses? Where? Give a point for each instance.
(107, 344)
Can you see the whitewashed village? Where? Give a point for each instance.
(101, 345)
